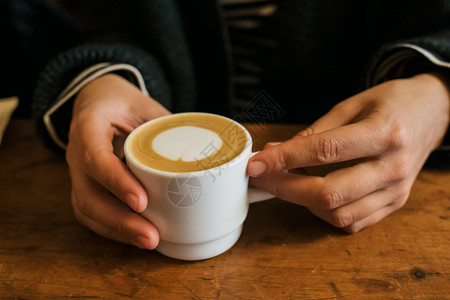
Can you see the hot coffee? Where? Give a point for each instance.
(188, 142)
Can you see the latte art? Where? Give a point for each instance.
(188, 142)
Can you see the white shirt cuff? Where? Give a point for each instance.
(81, 81)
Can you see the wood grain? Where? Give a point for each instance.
(284, 251)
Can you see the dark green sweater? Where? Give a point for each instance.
(326, 50)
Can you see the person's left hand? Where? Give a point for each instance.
(384, 135)
(106, 196)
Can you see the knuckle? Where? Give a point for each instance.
(283, 162)
(281, 159)
(398, 136)
(400, 170)
(341, 218)
(327, 150)
(307, 131)
(329, 198)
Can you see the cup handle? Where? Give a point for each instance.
(256, 194)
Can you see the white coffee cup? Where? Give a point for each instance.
(211, 221)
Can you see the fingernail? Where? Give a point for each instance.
(256, 168)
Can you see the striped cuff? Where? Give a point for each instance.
(400, 54)
(85, 77)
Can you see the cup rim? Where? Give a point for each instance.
(130, 158)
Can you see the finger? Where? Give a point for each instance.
(363, 139)
(106, 215)
(301, 171)
(371, 220)
(292, 187)
(336, 189)
(355, 211)
(106, 168)
(341, 114)
(141, 241)
(92, 201)
(398, 195)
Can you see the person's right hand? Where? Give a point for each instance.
(105, 195)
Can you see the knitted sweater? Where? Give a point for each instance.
(179, 51)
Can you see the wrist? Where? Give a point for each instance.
(438, 91)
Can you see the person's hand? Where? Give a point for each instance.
(383, 135)
(105, 195)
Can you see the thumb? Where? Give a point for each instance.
(271, 144)
(256, 168)
(305, 148)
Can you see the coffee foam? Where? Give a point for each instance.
(186, 143)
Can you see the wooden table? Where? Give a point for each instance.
(284, 252)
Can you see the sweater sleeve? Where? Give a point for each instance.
(413, 56)
(67, 73)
